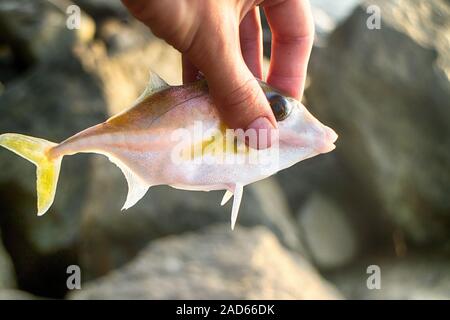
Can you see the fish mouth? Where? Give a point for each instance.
(329, 138)
(321, 139)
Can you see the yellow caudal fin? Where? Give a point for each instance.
(47, 169)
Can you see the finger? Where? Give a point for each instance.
(241, 101)
(292, 28)
(250, 34)
(190, 71)
(235, 91)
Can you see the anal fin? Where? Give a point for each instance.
(237, 197)
(227, 196)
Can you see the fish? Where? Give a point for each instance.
(173, 135)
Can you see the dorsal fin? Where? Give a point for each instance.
(155, 83)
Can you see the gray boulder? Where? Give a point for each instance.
(11, 294)
(36, 31)
(323, 192)
(213, 264)
(386, 93)
(7, 274)
(101, 9)
(416, 276)
(123, 58)
(327, 232)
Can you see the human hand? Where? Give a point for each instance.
(223, 40)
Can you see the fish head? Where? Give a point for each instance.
(299, 133)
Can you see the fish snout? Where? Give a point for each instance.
(323, 137)
(327, 139)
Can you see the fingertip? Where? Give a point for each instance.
(261, 134)
(241, 104)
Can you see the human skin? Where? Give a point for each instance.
(223, 40)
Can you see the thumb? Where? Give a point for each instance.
(238, 96)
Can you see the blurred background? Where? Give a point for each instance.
(310, 232)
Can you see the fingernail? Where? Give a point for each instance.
(260, 134)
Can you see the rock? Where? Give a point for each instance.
(337, 11)
(413, 277)
(7, 274)
(101, 9)
(111, 238)
(386, 94)
(320, 174)
(327, 15)
(327, 233)
(123, 59)
(324, 24)
(325, 184)
(37, 30)
(8, 70)
(125, 37)
(16, 295)
(215, 264)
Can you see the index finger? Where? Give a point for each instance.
(292, 29)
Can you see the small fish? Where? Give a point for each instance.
(172, 135)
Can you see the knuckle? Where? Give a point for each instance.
(249, 45)
(300, 39)
(244, 95)
(250, 40)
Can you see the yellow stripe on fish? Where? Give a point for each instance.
(219, 144)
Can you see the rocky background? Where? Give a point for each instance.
(310, 232)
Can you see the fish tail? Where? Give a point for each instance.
(47, 167)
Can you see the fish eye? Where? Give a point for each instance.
(281, 107)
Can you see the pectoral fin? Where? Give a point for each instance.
(237, 197)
